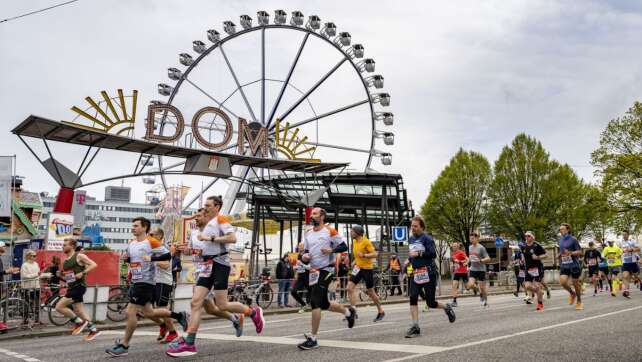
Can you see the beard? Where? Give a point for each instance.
(315, 222)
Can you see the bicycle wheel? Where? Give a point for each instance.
(16, 310)
(382, 292)
(264, 297)
(116, 305)
(56, 318)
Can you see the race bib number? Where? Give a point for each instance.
(314, 277)
(610, 260)
(474, 258)
(567, 259)
(136, 270)
(592, 262)
(521, 274)
(205, 269)
(197, 255)
(534, 272)
(421, 275)
(355, 270)
(69, 276)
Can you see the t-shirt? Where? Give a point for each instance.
(629, 256)
(528, 251)
(476, 253)
(364, 246)
(518, 258)
(612, 254)
(326, 237)
(592, 258)
(218, 226)
(143, 271)
(459, 258)
(567, 245)
(425, 246)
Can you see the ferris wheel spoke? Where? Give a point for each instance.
(200, 195)
(287, 79)
(344, 148)
(238, 85)
(323, 115)
(220, 104)
(263, 76)
(311, 90)
(173, 166)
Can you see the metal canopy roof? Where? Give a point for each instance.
(38, 127)
(351, 198)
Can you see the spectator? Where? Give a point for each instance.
(284, 274)
(4, 272)
(29, 276)
(394, 271)
(343, 276)
(53, 270)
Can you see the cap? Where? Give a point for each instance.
(358, 229)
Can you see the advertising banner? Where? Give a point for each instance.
(60, 226)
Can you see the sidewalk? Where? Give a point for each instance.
(47, 330)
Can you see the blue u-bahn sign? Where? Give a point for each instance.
(399, 234)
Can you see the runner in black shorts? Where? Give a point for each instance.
(533, 253)
(570, 272)
(364, 254)
(460, 270)
(592, 258)
(520, 271)
(163, 292)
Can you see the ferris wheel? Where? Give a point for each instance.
(270, 87)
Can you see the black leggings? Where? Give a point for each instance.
(301, 285)
(426, 290)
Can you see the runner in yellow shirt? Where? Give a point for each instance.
(364, 254)
(613, 256)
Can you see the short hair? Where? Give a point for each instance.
(160, 232)
(73, 241)
(217, 200)
(591, 243)
(55, 260)
(567, 226)
(144, 222)
(358, 229)
(625, 231)
(322, 212)
(474, 233)
(420, 220)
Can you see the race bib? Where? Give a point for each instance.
(592, 262)
(136, 270)
(627, 258)
(197, 255)
(474, 258)
(314, 277)
(534, 272)
(355, 270)
(205, 269)
(610, 260)
(421, 275)
(521, 273)
(567, 259)
(69, 276)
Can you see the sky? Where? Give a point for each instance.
(470, 74)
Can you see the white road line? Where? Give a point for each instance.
(23, 357)
(343, 329)
(470, 344)
(388, 347)
(267, 322)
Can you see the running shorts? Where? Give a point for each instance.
(162, 294)
(632, 268)
(365, 275)
(574, 272)
(461, 276)
(319, 291)
(76, 293)
(141, 293)
(218, 278)
(478, 275)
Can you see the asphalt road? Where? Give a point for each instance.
(607, 329)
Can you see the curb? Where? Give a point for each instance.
(59, 331)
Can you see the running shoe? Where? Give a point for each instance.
(238, 324)
(308, 344)
(92, 334)
(540, 307)
(181, 349)
(548, 293)
(257, 318)
(183, 320)
(571, 299)
(626, 295)
(413, 332)
(302, 310)
(176, 342)
(351, 318)
(426, 308)
(171, 337)
(515, 294)
(379, 317)
(79, 327)
(450, 313)
(579, 306)
(453, 304)
(528, 300)
(118, 350)
(161, 334)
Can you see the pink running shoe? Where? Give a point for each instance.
(258, 319)
(181, 349)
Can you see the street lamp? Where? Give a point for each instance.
(174, 74)
(375, 81)
(198, 46)
(297, 18)
(229, 27)
(165, 89)
(246, 21)
(314, 23)
(185, 59)
(213, 35)
(280, 17)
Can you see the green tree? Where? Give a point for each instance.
(530, 191)
(455, 203)
(618, 160)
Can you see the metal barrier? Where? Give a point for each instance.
(19, 303)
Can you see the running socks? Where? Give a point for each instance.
(76, 320)
(190, 338)
(176, 316)
(347, 313)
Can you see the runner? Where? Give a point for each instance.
(142, 251)
(422, 254)
(321, 243)
(301, 284)
(74, 271)
(477, 272)
(519, 270)
(363, 252)
(163, 288)
(630, 256)
(214, 272)
(613, 255)
(570, 251)
(604, 270)
(592, 258)
(460, 270)
(533, 253)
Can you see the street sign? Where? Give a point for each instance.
(399, 234)
(499, 242)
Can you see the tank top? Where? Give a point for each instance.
(71, 267)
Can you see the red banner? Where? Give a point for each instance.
(107, 272)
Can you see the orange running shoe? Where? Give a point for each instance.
(571, 299)
(579, 306)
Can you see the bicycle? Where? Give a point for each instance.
(117, 303)
(380, 287)
(49, 305)
(13, 306)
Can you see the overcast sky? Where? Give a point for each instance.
(469, 74)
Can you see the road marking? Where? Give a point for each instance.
(343, 329)
(219, 326)
(470, 344)
(23, 357)
(387, 347)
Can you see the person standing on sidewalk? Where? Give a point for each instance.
(284, 275)
(30, 284)
(394, 271)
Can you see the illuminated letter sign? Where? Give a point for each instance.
(151, 113)
(197, 134)
(256, 142)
